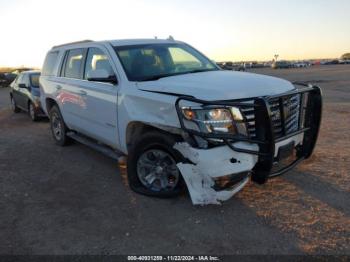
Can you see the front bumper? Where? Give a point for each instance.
(303, 138)
(207, 170)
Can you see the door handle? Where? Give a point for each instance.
(83, 92)
(58, 87)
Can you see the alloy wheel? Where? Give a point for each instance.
(13, 104)
(56, 126)
(31, 111)
(157, 170)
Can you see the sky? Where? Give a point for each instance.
(224, 30)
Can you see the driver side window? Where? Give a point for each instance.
(183, 59)
(96, 60)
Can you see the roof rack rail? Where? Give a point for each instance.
(77, 42)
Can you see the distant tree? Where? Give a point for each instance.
(346, 56)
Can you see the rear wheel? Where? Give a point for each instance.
(32, 112)
(14, 107)
(152, 168)
(58, 127)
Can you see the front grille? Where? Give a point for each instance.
(289, 107)
(249, 114)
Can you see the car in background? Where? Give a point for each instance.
(256, 65)
(3, 80)
(25, 94)
(17, 71)
(281, 65)
(332, 62)
(6, 79)
(232, 66)
(301, 64)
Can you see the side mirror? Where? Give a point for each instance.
(101, 75)
(22, 85)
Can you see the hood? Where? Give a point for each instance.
(219, 85)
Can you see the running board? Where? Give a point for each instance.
(107, 151)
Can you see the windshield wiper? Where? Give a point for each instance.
(157, 77)
(200, 70)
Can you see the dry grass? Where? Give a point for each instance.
(331, 159)
(317, 226)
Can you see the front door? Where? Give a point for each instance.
(100, 99)
(19, 93)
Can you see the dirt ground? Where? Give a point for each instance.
(74, 200)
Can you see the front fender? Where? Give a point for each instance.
(152, 109)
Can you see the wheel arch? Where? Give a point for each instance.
(136, 129)
(50, 102)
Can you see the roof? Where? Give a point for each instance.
(31, 72)
(121, 42)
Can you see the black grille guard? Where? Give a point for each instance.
(266, 139)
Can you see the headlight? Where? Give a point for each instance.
(214, 120)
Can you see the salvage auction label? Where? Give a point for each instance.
(173, 258)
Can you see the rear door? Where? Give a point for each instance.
(70, 96)
(100, 114)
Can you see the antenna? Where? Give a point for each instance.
(171, 38)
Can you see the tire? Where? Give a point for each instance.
(32, 113)
(14, 107)
(58, 127)
(160, 146)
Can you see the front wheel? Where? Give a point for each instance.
(14, 106)
(58, 127)
(32, 112)
(152, 168)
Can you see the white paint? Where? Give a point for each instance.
(212, 163)
(110, 109)
(220, 85)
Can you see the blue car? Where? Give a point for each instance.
(25, 94)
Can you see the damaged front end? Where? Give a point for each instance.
(227, 141)
(216, 174)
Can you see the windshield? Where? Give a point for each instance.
(154, 61)
(34, 80)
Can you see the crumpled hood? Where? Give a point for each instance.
(219, 85)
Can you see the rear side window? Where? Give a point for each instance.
(49, 64)
(74, 63)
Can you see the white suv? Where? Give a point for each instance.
(180, 119)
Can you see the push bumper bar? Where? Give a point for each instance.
(309, 119)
